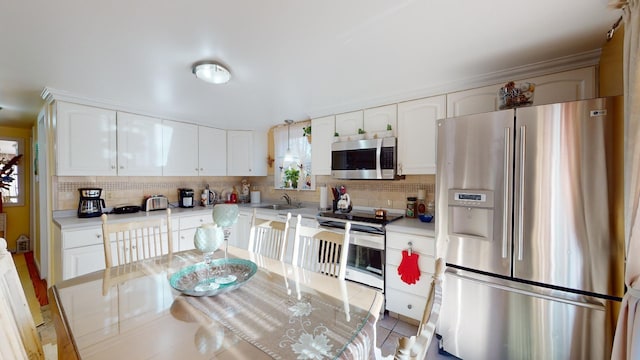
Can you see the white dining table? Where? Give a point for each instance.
(281, 312)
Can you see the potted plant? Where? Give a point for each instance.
(307, 133)
(291, 176)
(336, 137)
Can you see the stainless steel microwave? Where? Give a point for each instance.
(364, 159)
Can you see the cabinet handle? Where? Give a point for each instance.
(409, 306)
(121, 167)
(201, 169)
(98, 236)
(113, 166)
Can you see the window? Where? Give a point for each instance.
(300, 169)
(13, 179)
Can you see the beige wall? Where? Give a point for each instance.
(610, 69)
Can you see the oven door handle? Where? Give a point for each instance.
(376, 242)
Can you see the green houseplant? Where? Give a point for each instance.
(307, 133)
(291, 176)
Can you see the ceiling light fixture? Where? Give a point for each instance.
(288, 155)
(211, 72)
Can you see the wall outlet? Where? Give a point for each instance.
(108, 196)
(389, 203)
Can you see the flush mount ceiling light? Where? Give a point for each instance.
(211, 72)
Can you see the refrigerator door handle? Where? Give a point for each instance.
(523, 137)
(506, 196)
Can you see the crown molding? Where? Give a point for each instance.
(565, 63)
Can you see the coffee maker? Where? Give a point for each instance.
(90, 204)
(186, 198)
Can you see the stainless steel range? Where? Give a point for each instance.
(367, 244)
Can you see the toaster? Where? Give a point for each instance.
(155, 202)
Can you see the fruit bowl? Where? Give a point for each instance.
(425, 217)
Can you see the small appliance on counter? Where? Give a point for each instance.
(125, 209)
(155, 202)
(186, 198)
(90, 204)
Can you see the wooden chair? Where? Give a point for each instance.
(127, 242)
(321, 250)
(416, 347)
(269, 237)
(19, 338)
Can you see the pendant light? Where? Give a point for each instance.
(289, 156)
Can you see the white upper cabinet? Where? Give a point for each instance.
(578, 84)
(417, 134)
(473, 101)
(322, 130)
(212, 151)
(571, 85)
(139, 145)
(377, 119)
(246, 153)
(85, 140)
(179, 149)
(349, 123)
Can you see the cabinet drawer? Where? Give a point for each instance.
(78, 238)
(424, 245)
(405, 304)
(426, 263)
(420, 288)
(188, 222)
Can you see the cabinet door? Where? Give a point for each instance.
(179, 149)
(246, 153)
(349, 123)
(85, 141)
(571, 85)
(417, 134)
(139, 145)
(212, 151)
(377, 119)
(82, 260)
(473, 101)
(322, 133)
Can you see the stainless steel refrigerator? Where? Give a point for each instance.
(530, 211)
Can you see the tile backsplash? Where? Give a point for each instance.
(132, 190)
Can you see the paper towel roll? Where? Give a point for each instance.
(323, 197)
(255, 197)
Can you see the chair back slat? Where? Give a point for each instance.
(19, 338)
(127, 242)
(269, 237)
(321, 250)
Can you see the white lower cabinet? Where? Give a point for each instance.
(188, 225)
(402, 298)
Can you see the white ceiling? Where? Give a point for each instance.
(289, 59)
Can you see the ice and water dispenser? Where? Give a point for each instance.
(471, 214)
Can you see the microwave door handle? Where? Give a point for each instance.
(378, 155)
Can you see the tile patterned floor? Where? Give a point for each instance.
(389, 329)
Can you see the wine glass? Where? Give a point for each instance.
(207, 239)
(225, 215)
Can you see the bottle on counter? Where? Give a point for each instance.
(411, 207)
(431, 208)
(421, 206)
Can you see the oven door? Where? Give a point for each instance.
(366, 260)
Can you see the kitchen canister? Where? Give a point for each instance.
(255, 197)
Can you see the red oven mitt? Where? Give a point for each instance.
(409, 270)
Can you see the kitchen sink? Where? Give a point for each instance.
(280, 207)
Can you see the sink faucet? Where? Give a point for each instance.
(287, 198)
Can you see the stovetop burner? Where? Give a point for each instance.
(361, 216)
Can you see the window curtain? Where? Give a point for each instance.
(626, 343)
(301, 147)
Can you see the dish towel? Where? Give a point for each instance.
(409, 270)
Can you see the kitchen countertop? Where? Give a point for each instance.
(413, 226)
(68, 219)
